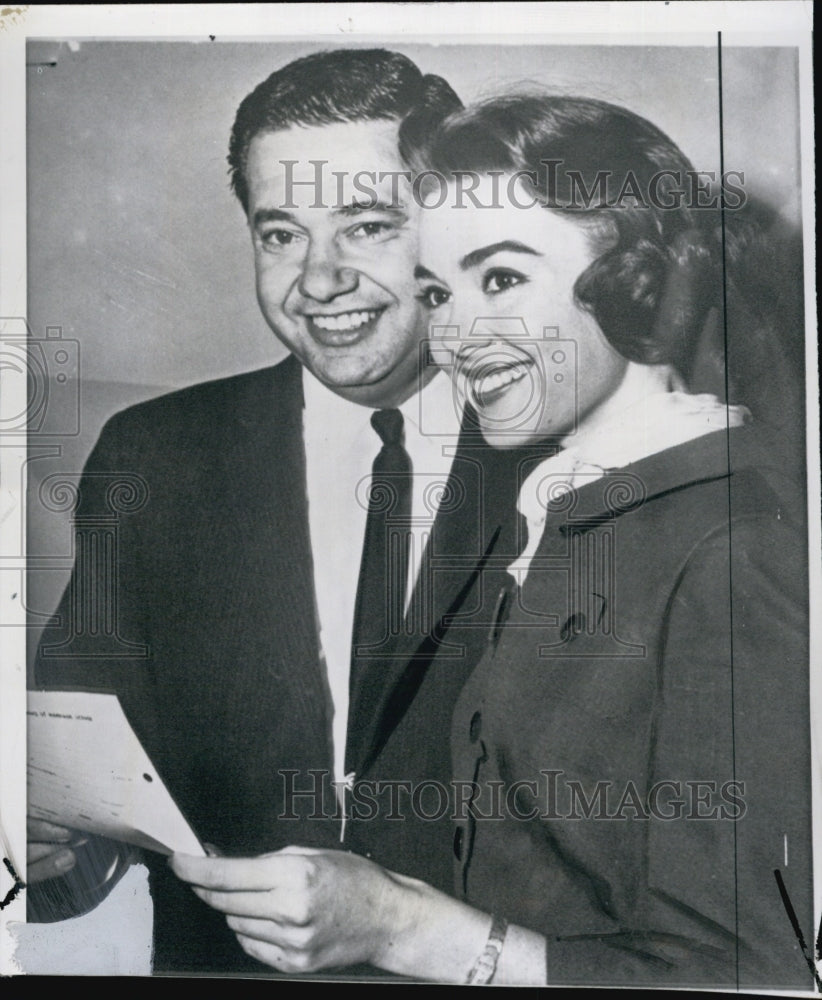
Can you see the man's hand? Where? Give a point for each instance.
(302, 909)
(50, 850)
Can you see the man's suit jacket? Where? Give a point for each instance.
(638, 732)
(210, 635)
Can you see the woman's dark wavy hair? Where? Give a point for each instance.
(718, 297)
(340, 85)
(649, 290)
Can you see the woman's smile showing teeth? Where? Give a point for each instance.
(487, 386)
(488, 374)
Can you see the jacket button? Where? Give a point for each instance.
(475, 727)
(458, 837)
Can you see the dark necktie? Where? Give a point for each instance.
(380, 606)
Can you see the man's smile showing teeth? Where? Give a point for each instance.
(344, 321)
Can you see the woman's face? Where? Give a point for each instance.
(530, 361)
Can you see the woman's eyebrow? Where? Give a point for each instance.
(478, 256)
(425, 274)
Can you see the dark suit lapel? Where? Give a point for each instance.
(475, 520)
(277, 549)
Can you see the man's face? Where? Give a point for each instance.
(334, 265)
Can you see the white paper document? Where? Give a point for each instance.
(87, 770)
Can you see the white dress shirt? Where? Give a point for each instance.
(340, 448)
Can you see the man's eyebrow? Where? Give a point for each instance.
(478, 256)
(271, 215)
(370, 205)
(355, 208)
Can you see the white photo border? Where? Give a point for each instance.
(743, 23)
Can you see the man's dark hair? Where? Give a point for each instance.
(341, 85)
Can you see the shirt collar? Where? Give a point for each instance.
(434, 411)
(652, 424)
(329, 417)
(647, 425)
